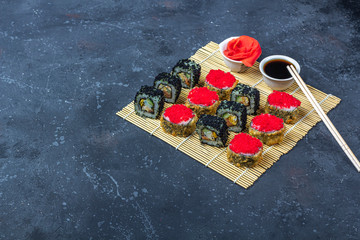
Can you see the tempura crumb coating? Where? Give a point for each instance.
(177, 129)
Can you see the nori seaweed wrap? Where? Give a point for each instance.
(170, 85)
(234, 114)
(212, 130)
(188, 71)
(149, 102)
(248, 96)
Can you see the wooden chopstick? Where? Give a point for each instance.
(324, 117)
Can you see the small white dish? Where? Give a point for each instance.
(235, 66)
(276, 83)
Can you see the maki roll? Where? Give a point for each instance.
(178, 120)
(170, 85)
(149, 102)
(267, 128)
(234, 115)
(244, 150)
(221, 82)
(283, 105)
(202, 101)
(212, 130)
(248, 96)
(188, 71)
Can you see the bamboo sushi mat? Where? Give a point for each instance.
(209, 57)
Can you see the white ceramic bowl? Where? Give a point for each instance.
(275, 83)
(235, 66)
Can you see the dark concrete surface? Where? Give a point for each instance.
(71, 169)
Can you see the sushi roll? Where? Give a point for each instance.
(221, 82)
(212, 130)
(170, 85)
(234, 114)
(202, 101)
(244, 150)
(267, 128)
(283, 105)
(248, 96)
(149, 102)
(178, 120)
(188, 71)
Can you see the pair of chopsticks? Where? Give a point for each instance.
(324, 117)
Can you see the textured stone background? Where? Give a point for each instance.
(71, 169)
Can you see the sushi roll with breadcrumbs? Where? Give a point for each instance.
(149, 102)
(188, 71)
(212, 130)
(244, 150)
(221, 82)
(234, 114)
(283, 105)
(178, 120)
(267, 128)
(248, 96)
(170, 85)
(202, 101)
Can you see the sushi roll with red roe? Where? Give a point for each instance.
(244, 150)
(221, 82)
(283, 105)
(178, 120)
(202, 101)
(267, 128)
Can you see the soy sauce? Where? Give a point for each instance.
(277, 69)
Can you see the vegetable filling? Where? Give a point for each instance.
(166, 90)
(208, 135)
(185, 78)
(243, 100)
(147, 105)
(231, 120)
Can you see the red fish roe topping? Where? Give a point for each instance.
(267, 123)
(220, 79)
(203, 96)
(245, 144)
(178, 114)
(283, 100)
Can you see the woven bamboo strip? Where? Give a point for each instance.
(215, 158)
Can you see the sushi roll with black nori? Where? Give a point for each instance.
(149, 102)
(248, 96)
(178, 120)
(244, 150)
(212, 130)
(170, 85)
(234, 114)
(188, 71)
